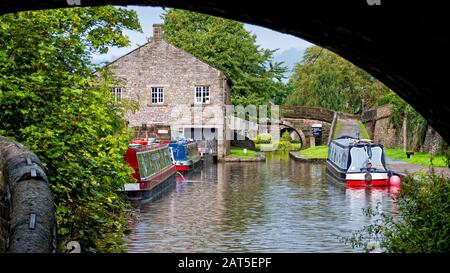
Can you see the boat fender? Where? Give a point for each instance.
(394, 180)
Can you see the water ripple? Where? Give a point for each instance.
(276, 206)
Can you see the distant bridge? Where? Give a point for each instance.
(297, 120)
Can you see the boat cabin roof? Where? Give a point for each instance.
(346, 141)
(145, 146)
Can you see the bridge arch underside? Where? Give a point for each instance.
(396, 41)
(303, 127)
(295, 135)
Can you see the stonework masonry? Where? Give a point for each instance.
(159, 64)
(304, 126)
(378, 124)
(377, 121)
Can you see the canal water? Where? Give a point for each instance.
(275, 206)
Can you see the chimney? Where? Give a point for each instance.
(157, 32)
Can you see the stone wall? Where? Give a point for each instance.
(160, 64)
(378, 124)
(27, 211)
(377, 121)
(432, 142)
(302, 112)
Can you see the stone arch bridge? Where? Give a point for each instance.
(299, 120)
(296, 120)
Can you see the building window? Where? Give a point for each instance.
(157, 95)
(117, 93)
(202, 94)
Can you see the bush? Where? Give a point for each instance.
(423, 221)
(284, 145)
(295, 141)
(263, 139)
(446, 153)
(286, 137)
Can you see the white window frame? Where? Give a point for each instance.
(202, 94)
(157, 95)
(117, 93)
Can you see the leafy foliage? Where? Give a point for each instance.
(324, 79)
(416, 124)
(284, 145)
(226, 45)
(423, 221)
(286, 136)
(263, 139)
(363, 130)
(51, 101)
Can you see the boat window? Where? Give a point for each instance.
(360, 158)
(377, 158)
(339, 155)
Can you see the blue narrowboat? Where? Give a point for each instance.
(185, 154)
(357, 162)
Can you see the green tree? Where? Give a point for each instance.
(51, 101)
(226, 45)
(324, 79)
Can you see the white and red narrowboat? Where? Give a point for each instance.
(357, 162)
(153, 169)
(185, 154)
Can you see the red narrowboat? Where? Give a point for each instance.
(153, 169)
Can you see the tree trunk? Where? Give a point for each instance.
(405, 132)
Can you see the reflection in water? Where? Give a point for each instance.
(276, 206)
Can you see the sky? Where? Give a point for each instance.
(266, 38)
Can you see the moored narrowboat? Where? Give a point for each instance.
(185, 154)
(153, 169)
(357, 162)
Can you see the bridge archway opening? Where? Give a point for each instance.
(388, 49)
(295, 134)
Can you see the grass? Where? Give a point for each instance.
(258, 146)
(239, 152)
(295, 146)
(337, 129)
(418, 158)
(363, 130)
(316, 152)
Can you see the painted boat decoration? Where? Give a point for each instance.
(153, 169)
(185, 154)
(357, 162)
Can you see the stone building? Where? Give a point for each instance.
(174, 89)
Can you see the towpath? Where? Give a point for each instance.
(403, 168)
(349, 127)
